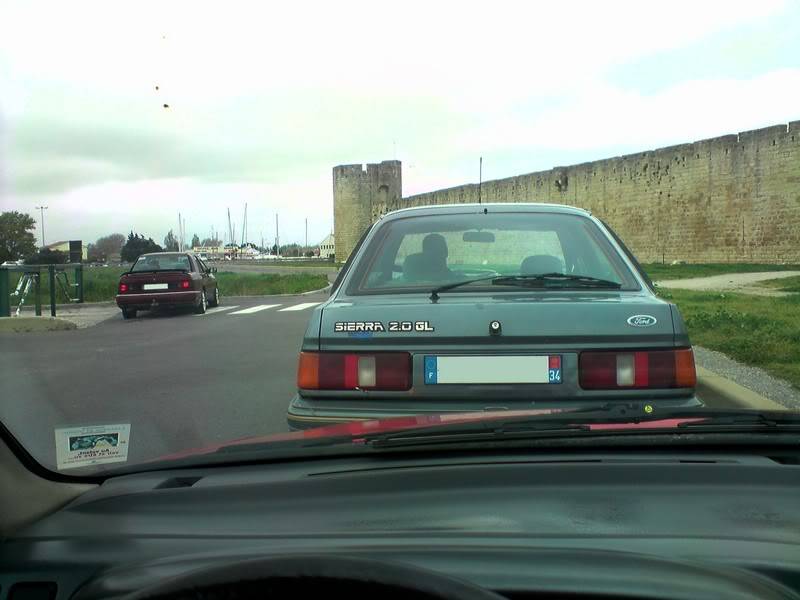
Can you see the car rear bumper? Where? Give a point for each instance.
(147, 301)
(305, 413)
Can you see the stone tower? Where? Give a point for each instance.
(360, 195)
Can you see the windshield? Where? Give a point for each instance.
(427, 251)
(287, 228)
(162, 262)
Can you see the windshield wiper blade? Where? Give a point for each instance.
(530, 280)
(451, 286)
(579, 422)
(535, 280)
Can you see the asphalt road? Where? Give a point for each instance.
(181, 380)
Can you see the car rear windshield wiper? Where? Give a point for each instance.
(534, 281)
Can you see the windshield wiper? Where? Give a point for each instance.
(579, 422)
(533, 281)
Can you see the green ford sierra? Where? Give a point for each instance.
(485, 307)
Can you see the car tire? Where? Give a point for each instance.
(128, 313)
(200, 309)
(215, 301)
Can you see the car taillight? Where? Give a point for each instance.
(341, 371)
(648, 369)
(123, 288)
(185, 284)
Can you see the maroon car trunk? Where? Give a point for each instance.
(150, 288)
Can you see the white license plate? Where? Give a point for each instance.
(155, 286)
(492, 369)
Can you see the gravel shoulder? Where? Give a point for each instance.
(752, 378)
(732, 282)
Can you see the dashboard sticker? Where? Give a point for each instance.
(91, 445)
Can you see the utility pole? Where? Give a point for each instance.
(480, 178)
(244, 225)
(42, 209)
(306, 248)
(277, 237)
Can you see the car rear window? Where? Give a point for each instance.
(420, 251)
(163, 262)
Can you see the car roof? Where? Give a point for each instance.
(167, 254)
(500, 207)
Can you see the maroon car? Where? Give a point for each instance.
(167, 279)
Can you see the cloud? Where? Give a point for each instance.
(265, 98)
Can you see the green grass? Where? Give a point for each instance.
(787, 284)
(34, 324)
(659, 272)
(258, 284)
(755, 330)
(100, 285)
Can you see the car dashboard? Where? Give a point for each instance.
(643, 524)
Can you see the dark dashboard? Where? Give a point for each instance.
(523, 525)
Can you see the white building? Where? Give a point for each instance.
(326, 247)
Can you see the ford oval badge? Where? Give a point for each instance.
(642, 321)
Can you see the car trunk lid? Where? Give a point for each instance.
(498, 322)
(154, 281)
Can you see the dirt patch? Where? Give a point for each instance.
(34, 324)
(745, 283)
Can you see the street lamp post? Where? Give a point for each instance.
(42, 209)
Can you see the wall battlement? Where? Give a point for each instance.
(733, 198)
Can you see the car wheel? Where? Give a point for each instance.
(128, 313)
(201, 306)
(215, 302)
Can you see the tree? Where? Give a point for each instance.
(109, 245)
(170, 242)
(16, 237)
(138, 245)
(93, 253)
(195, 241)
(211, 242)
(45, 256)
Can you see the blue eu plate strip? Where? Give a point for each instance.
(430, 369)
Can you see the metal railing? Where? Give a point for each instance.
(31, 281)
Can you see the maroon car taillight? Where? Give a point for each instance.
(639, 369)
(186, 284)
(123, 288)
(389, 371)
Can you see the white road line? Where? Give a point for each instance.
(211, 311)
(302, 306)
(254, 309)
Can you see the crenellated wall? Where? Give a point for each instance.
(734, 198)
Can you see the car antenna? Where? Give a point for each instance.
(480, 178)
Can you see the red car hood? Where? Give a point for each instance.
(355, 429)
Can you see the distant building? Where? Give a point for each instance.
(210, 251)
(70, 248)
(326, 247)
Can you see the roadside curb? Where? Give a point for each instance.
(327, 287)
(735, 394)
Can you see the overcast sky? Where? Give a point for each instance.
(265, 98)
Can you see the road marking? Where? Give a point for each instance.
(211, 311)
(254, 309)
(302, 306)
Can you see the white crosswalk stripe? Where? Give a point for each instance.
(302, 306)
(211, 311)
(254, 309)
